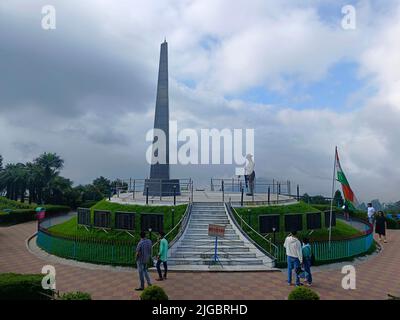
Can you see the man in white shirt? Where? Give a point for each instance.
(371, 213)
(294, 255)
(250, 174)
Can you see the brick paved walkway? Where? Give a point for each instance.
(376, 277)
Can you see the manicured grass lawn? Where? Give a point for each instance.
(341, 231)
(70, 228)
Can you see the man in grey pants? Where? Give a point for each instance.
(143, 255)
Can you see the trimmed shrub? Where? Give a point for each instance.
(393, 224)
(303, 293)
(154, 293)
(22, 287)
(24, 215)
(75, 296)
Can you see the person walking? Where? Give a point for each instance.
(381, 226)
(307, 256)
(162, 257)
(143, 255)
(371, 214)
(294, 256)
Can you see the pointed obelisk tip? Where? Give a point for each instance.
(165, 39)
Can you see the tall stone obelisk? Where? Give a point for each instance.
(160, 183)
(161, 118)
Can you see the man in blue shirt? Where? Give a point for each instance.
(143, 255)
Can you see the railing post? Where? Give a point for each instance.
(269, 195)
(174, 195)
(173, 218)
(298, 193)
(273, 185)
(241, 196)
(147, 195)
(130, 184)
(133, 191)
(223, 191)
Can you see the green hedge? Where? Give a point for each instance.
(154, 293)
(24, 215)
(22, 287)
(75, 296)
(393, 224)
(303, 293)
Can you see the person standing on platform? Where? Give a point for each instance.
(162, 257)
(294, 256)
(143, 255)
(250, 174)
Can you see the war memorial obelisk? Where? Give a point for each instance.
(160, 183)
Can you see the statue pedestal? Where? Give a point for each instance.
(162, 187)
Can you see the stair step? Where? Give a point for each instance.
(193, 230)
(210, 254)
(210, 241)
(184, 248)
(224, 261)
(189, 236)
(204, 226)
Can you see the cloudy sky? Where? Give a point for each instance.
(286, 68)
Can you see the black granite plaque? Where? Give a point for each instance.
(327, 219)
(102, 219)
(268, 222)
(84, 216)
(293, 222)
(314, 221)
(154, 221)
(124, 220)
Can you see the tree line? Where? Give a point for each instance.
(40, 182)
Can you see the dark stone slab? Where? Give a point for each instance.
(163, 188)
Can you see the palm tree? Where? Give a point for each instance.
(50, 165)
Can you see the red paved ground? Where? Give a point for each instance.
(376, 277)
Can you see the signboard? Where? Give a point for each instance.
(83, 216)
(40, 213)
(268, 222)
(314, 221)
(215, 230)
(102, 219)
(327, 219)
(155, 221)
(124, 220)
(293, 222)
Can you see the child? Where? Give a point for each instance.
(307, 254)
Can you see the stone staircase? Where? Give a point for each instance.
(195, 249)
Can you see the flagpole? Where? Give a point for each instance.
(333, 191)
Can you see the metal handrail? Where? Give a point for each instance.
(271, 244)
(185, 215)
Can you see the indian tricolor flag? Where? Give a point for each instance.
(348, 194)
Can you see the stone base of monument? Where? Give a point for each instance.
(162, 187)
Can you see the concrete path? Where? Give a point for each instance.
(376, 276)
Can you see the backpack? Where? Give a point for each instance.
(312, 259)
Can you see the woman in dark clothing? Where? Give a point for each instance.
(380, 226)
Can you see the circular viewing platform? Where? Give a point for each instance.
(204, 196)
